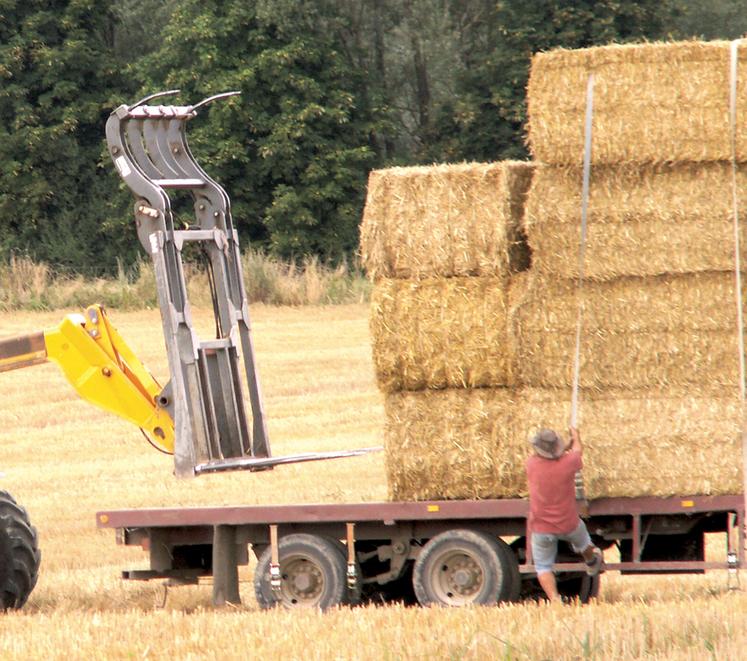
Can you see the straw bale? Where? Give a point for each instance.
(452, 444)
(670, 442)
(444, 220)
(637, 333)
(473, 443)
(438, 333)
(642, 220)
(695, 301)
(630, 360)
(653, 103)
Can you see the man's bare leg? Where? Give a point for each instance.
(549, 585)
(588, 553)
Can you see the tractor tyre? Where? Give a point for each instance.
(19, 554)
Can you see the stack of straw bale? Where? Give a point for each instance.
(660, 410)
(659, 355)
(440, 244)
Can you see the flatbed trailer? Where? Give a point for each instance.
(438, 552)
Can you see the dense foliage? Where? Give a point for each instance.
(330, 89)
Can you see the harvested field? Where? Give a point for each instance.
(65, 460)
(473, 443)
(439, 333)
(455, 443)
(653, 103)
(444, 220)
(651, 220)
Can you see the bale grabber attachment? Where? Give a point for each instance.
(205, 393)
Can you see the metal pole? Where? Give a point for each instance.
(225, 566)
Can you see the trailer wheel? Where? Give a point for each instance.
(19, 554)
(312, 570)
(462, 567)
(353, 596)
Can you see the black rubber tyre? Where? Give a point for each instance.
(465, 567)
(19, 554)
(582, 587)
(312, 570)
(512, 576)
(353, 596)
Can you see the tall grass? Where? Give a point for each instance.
(29, 285)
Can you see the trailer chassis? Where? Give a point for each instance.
(379, 541)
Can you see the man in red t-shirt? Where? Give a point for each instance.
(551, 472)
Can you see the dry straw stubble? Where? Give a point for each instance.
(444, 220)
(653, 102)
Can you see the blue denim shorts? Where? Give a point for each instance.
(545, 546)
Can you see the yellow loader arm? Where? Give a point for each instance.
(101, 367)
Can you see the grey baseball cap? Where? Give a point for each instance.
(547, 444)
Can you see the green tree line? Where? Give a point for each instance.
(330, 90)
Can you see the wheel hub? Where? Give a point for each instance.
(302, 582)
(458, 578)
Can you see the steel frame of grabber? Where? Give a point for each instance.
(204, 396)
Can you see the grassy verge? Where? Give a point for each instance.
(29, 285)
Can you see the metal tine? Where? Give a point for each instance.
(215, 97)
(177, 138)
(128, 154)
(150, 127)
(150, 97)
(134, 132)
(165, 149)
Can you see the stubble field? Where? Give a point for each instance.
(64, 460)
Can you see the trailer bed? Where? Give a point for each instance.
(653, 534)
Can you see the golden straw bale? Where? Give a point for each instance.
(452, 444)
(444, 220)
(694, 301)
(637, 360)
(642, 220)
(438, 333)
(637, 332)
(473, 443)
(657, 443)
(653, 103)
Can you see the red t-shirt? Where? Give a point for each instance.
(552, 493)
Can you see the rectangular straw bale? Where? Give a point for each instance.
(694, 301)
(629, 360)
(636, 333)
(444, 220)
(439, 333)
(453, 444)
(653, 103)
(673, 218)
(670, 442)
